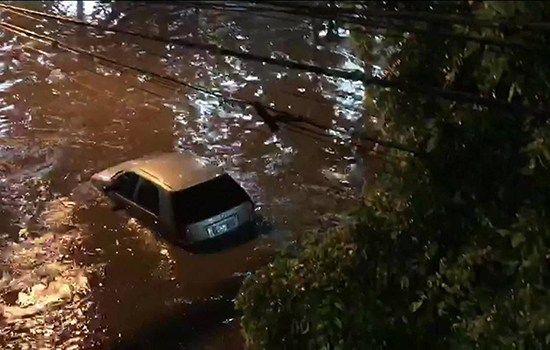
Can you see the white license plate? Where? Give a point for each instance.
(222, 226)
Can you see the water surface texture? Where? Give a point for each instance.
(76, 274)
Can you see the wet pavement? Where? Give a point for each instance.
(76, 274)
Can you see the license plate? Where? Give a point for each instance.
(222, 226)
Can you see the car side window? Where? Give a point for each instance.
(125, 184)
(148, 196)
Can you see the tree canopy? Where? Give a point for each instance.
(451, 251)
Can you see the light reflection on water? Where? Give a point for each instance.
(85, 275)
(45, 292)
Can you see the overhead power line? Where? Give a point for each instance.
(388, 24)
(417, 16)
(214, 49)
(278, 116)
(331, 102)
(405, 87)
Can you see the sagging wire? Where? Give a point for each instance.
(271, 119)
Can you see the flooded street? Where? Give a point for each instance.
(75, 273)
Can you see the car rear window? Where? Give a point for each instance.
(208, 199)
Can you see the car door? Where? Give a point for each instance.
(123, 189)
(147, 203)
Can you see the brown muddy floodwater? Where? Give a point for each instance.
(74, 273)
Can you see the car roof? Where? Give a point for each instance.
(175, 171)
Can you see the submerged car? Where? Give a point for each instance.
(179, 195)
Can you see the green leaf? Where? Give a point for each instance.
(432, 143)
(503, 233)
(513, 89)
(517, 239)
(404, 282)
(415, 306)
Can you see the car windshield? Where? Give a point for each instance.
(208, 199)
